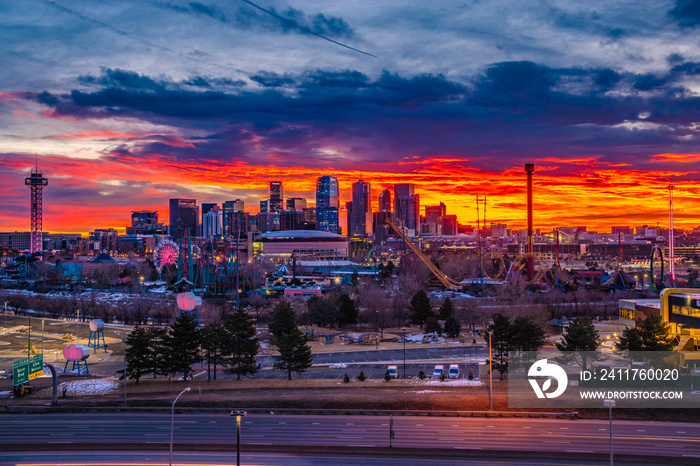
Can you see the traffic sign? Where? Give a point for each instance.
(25, 370)
(20, 374)
(36, 366)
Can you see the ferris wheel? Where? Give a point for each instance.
(166, 252)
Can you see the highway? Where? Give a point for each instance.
(416, 435)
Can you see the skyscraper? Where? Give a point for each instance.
(432, 214)
(276, 195)
(385, 201)
(296, 203)
(229, 208)
(327, 204)
(212, 223)
(360, 217)
(407, 206)
(183, 216)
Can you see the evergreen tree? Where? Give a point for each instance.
(137, 354)
(421, 308)
(433, 326)
(501, 339)
(242, 346)
(347, 310)
(184, 342)
(294, 353)
(158, 356)
(355, 278)
(452, 327)
(215, 338)
(447, 309)
(321, 311)
(581, 336)
(631, 340)
(654, 332)
(527, 335)
(282, 319)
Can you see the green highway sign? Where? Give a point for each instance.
(36, 366)
(20, 374)
(25, 370)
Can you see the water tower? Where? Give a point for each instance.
(97, 335)
(76, 353)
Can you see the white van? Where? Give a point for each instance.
(438, 371)
(454, 372)
(392, 372)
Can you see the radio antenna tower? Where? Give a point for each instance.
(671, 240)
(36, 184)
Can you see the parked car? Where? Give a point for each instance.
(392, 372)
(454, 372)
(438, 371)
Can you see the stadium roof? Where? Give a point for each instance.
(301, 234)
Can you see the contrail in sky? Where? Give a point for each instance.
(306, 30)
(128, 35)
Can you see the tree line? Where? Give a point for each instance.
(231, 344)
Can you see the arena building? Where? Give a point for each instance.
(303, 243)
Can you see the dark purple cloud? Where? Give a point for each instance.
(510, 111)
(686, 12)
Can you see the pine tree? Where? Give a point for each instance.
(282, 319)
(581, 337)
(452, 327)
(137, 354)
(433, 326)
(184, 343)
(447, 309)
(631, 340)
(421, 308)
(294, 353)
(214, 341)
(654, 332)
(242, 345)
(347, 310)
(527, 335)
(158, 356)
(501, 339)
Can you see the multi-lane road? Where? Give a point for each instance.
(374, 363)
(661, 442)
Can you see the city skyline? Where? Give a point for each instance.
(126, 106)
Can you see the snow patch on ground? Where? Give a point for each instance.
(89, 387)
(454, 383)
(421, 392)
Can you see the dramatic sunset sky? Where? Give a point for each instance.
(127, 104)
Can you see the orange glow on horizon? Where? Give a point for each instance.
(566, 192)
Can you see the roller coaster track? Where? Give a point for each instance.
(446, 281)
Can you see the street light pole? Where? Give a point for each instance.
(490, 375)
(610, 404)
(124, 341)
(404, 351)
(29, 338)
(238, 415)
(172, 423)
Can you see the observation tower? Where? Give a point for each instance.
(36, 183)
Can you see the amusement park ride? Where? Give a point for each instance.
(495, 268)
(198, 268)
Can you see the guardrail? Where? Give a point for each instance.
(297, 411)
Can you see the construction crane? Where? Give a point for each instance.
(447, 282)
